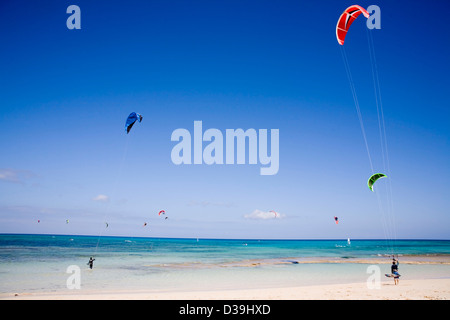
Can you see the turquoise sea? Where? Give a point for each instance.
(38, 263)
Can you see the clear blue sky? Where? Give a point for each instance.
(65, 95)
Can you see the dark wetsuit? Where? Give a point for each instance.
(394, 268)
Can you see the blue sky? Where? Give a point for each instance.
(65, 95)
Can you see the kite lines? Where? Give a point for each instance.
(385, 207)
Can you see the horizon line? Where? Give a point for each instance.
(207, 238)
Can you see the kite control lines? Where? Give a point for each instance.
(132, 118)
(385, 206)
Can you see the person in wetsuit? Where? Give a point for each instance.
(91, 262)
(394, 270)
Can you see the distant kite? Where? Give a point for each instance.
(132, 118)
(374, 178)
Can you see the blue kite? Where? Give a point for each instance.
(132, 118)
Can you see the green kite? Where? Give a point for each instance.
(374, 178)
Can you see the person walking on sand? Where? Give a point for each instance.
(91, 262)
(394, 270)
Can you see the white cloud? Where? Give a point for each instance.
(263, 215)
(101, 198)
(14, 175)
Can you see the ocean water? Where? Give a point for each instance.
(36, 263)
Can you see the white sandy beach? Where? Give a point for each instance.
(424, 289)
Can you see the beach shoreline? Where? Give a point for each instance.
(54, 268)
(418, 289)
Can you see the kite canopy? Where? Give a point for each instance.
(346, 19)
(374, 178)
(132, 118)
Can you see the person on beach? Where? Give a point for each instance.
(394, 270)
(91, 262)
